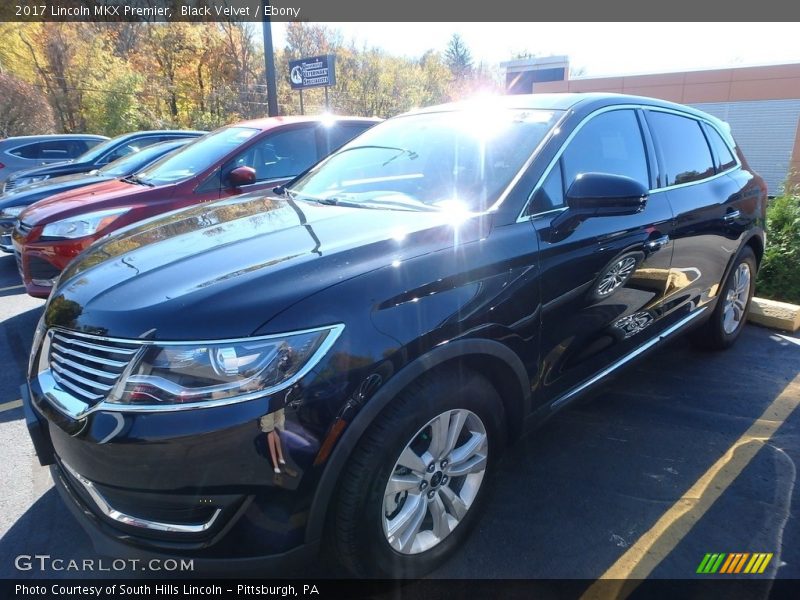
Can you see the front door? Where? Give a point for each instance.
(603, 281)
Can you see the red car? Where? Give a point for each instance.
(239, 158)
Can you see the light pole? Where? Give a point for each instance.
(269, 61)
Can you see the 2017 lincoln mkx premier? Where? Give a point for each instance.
(341, 361)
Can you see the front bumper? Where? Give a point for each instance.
(6, 228)
(41, 262)
(108, 543)
(196, 484)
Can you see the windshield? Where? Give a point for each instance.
(133, 162)
(93, 153)
(429, 161)
(196, 157)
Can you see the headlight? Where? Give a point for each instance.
(12, 211)
(27, 180)
(82, 225)
(178, 373)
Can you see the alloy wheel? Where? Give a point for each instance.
(735, 310)
(435, 481)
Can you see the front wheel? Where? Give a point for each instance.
(730, 314)
(418, 478)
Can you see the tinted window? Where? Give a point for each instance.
(283, 154)
(55, 149)
(551, 194)
(683, 146)
(338, 135)
(721, 149)
(609, 143)
(27, 151)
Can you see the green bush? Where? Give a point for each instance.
(779, 276)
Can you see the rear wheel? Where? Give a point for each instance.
(730, 314)
(418, 478)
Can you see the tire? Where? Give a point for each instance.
(359, 529)
(727, 321)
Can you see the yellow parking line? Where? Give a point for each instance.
(651, 548)
(9, 405)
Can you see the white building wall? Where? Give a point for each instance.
(765, 130)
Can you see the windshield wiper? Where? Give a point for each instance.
(136, 180)
(390, 204)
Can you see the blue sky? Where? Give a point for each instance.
(598, 48)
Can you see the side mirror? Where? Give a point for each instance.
(603, 194)
(242, 176)
(599, 195)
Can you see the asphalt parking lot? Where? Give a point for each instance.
(688, 453)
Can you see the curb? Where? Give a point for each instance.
(774, 314)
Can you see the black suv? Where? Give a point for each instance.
(345, 358)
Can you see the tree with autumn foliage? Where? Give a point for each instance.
(111, 78)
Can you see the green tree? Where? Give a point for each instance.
(458, 58)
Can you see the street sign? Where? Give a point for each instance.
(315, 71)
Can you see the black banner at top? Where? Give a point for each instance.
(406, 11)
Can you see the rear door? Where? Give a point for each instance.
(706, 203)
(602, 284)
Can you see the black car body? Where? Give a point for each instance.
(98, 156)
(490, 312)
(12, 203)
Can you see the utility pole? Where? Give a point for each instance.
(269, 60)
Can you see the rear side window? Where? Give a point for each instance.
(684, 149)
(28, 151)
(608, 143)
(334, 137)
(283, 154)
(721, 149)
(56, 149)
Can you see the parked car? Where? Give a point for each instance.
(30, 151)
(350, 353)
(98, 156)
(249, 156)
(14, 202)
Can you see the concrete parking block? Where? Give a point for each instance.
(774, 314)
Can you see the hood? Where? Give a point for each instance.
(99, 196)
(41, 189)
(224, 269)
(54, 169)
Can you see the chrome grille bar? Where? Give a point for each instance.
(86, 365)
(116, 364)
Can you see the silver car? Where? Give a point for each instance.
(29, 151)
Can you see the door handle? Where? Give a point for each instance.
(731, 216)
(657, 243)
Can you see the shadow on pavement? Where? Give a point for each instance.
(570, 498)
(15, 347)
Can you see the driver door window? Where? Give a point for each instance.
(608, 143)
(281, 155)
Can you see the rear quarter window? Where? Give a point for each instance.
(725, 157)
(683, 148)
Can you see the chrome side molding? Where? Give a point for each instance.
(627, 358)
